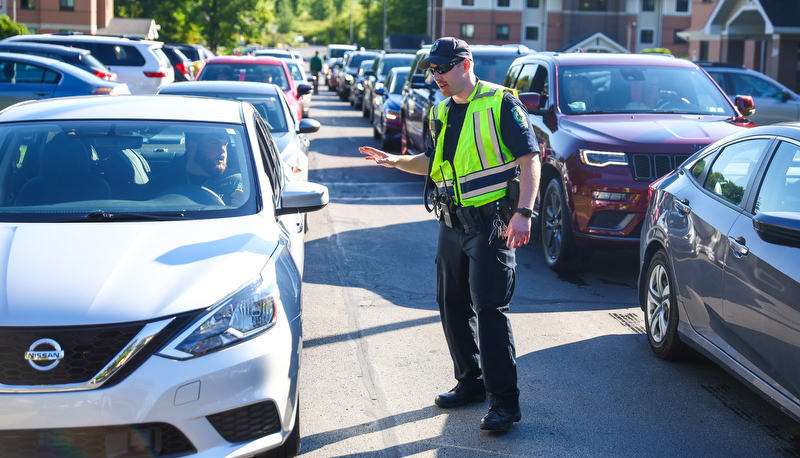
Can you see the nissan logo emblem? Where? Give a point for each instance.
(44, 354)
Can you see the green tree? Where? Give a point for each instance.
(285, 17)
(9, 28)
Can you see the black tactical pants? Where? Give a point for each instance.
(475, 282)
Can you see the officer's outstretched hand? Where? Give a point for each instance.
(380, 157)
(518, 232)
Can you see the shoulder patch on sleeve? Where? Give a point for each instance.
(520, 117)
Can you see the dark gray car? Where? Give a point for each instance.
(719, 265)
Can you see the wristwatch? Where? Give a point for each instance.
(524, 211)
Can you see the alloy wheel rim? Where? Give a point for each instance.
(658, 303)
(553, 226)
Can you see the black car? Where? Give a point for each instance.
(421, 92)
(81, 58)
(365, 71)
(184, 68)
(383, 64)
(349, 72)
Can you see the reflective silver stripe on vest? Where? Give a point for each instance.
(498, 153)
(486, 181)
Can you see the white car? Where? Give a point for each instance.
(143, 316)
(141, 64)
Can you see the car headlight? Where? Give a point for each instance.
(602, 158)
(248, 312)
(348, 78)
(360, 86)
(378, 86)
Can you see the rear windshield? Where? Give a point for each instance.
(263, 73)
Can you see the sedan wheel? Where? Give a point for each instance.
(660, 312)
(560, 251)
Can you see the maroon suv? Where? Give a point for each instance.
(609, 125)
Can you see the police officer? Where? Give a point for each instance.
(483, 148)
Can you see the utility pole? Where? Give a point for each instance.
(351, 21)
(383, 44)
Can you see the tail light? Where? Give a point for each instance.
(161, 73)
(108, 76)
(181, 67)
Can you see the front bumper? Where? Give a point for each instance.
(246, 394)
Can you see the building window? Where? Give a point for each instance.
(27, 4)
(703, 50)
(533, 3)
(682, 6)
(467, 30)
(531, 33)
(67, 5)
(503, 3)
(648, 5)
(646, 36)
(502, 31)
(467, 2)
(592, 5)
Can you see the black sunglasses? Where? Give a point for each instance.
(444, 68)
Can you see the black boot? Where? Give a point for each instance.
(460, 395)
(501, 418)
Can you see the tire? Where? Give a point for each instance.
(661, 311)
(364, 108)
(558, 245)
(376, 134)
(291, 447)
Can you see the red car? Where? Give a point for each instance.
(258, 69)
(608, 125)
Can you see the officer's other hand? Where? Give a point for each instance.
(518, 232)
(380, 157)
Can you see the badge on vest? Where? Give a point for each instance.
(520, 117)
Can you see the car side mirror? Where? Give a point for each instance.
(308, 126)
(302, 197)
(745, 105)
(779, 228)
(303, 89)
(533, 101)
(418, 81)
(785, 96)
(380, 91)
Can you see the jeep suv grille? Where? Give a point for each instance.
(649, 167)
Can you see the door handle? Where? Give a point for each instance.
(42, 93)
(682, 206)
(738, 245)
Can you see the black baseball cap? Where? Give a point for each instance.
(446, 50)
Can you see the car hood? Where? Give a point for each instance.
(648, 133)
(55, 274)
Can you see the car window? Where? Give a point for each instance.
(396, 84)
(246, 72)
(53, 169)
(162, 58)
(732, 169)
(511, 76)
(114, 54)
(492, 68)
(392, 62)
(19, 73)
(752, 85)
(780, 190)
(524, 82)
(271, 159)
(294, 69)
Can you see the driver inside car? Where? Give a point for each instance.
(205, 164)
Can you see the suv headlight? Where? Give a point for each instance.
(241, 316)
(595, 158)
(348, 78)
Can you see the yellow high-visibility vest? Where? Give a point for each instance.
(482, 164)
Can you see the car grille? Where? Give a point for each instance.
(649, 167)
(142, 440)
(248, 422)
(87, 350)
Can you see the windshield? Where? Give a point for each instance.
(264, 73)
(640, 89)
(337, 52)
(127, 169)
(356, 59)
(492, 68)
(392, 62)
(398, 80)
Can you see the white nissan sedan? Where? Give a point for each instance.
(151, 269)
